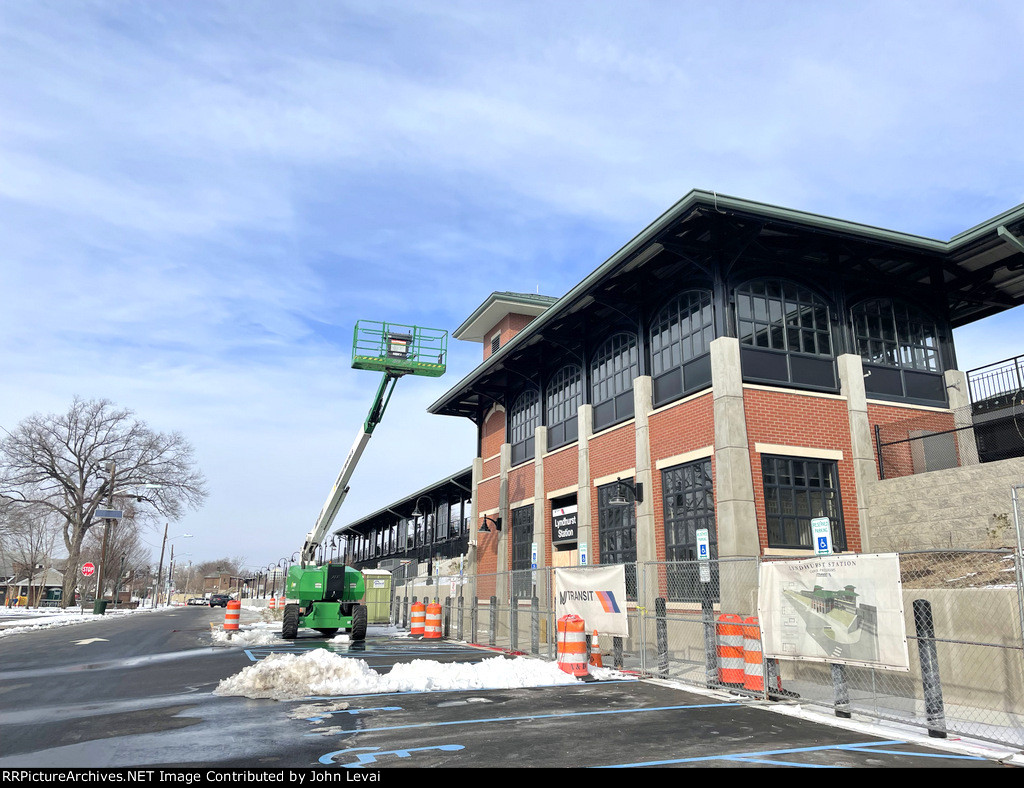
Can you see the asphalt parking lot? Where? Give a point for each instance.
(613, 723)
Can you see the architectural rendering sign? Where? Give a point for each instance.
(596, 594)
(844, 608)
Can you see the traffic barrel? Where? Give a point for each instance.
(572, 645)
(418, 613)
(281, 602)
(432, 629)
(595, 650)
(753, 664)
(273, 603)
(232, 615)
(730, 649)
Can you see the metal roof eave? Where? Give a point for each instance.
(723, 203)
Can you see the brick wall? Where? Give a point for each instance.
(509, 326)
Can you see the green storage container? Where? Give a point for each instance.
(378, 595)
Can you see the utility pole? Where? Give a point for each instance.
(106, 534)
(160, 569)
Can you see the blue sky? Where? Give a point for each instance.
(199, 199)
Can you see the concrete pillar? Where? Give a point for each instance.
(541, 513)
(865, 468)
(504, 535)
(472, 561)
(960, 404)
(583, 497)
(646, 539)
(735, 514)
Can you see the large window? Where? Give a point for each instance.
(796, 490)
(616, 363)
(681, 334)
(689, 506)
(617, 534)
(522, 548)
(785, 331)
(900, 348)
(524, 420)
(562, 402)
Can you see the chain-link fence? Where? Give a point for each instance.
(697, 625)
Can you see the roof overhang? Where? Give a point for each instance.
(982, 270)
(477, 327)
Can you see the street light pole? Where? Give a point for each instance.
(106, 534)
(160, 570)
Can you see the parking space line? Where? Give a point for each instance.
(527, 717)
(765, 755)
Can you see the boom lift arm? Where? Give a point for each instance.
(337, 497)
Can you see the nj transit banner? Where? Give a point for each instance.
(841, 608)
(596, 594)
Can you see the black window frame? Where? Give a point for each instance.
(523, 420)
(522, 549)
(614, 366)
(616, 535)
(785, 331)
(688, 497)
(679, 337)
(563, 396)
(783, 491)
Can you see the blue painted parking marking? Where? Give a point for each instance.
(369, 755)
(528, 717)
(475, 690)
(766, 756)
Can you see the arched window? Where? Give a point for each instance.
(899, 345)
(680, 335)
(786, 333)
(524, 420)
(562, 402)
(616, 363)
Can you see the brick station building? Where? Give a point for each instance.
(729, 364)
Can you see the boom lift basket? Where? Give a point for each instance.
(398, 349)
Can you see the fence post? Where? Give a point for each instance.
(841, 691)
(661, 624)
(462, 610)
(474, 619)
(535, 626)
(928, 655)
(447, 618)
(513, 625)
(405, 612)
(494, 621)
(707, 616)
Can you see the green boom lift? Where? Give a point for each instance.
(328, 595)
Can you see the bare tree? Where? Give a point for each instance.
(31, 534)
(76, 462)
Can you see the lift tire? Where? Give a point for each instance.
(359, 623)
(328, 633)
(290, 623)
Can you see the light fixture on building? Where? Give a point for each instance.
(495, 520)
(621, 488)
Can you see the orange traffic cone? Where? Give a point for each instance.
(595, 651)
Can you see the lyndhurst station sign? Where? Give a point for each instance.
(563, 525)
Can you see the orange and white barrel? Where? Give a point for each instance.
(753, 667)
(418, 614)
(730, 649)
(232, 615)
(432, 628)
(572, 645)
(273, 603)
(281, 602)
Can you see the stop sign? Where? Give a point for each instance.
(88, 569)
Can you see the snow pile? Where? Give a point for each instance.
(21, 620)
(321, 672)
(264, 634)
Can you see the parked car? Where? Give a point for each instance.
(197, 600)
(219, 600)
